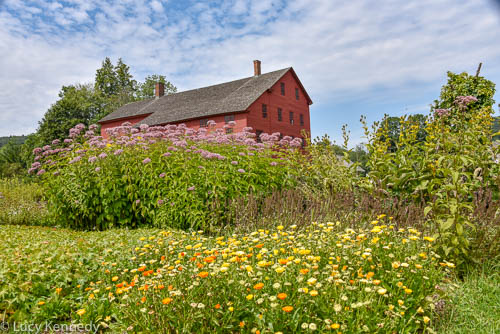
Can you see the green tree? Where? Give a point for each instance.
(464, 84)
(393, 125)
(76, 104)
(11, 162)
(106, 80)
(147, 88)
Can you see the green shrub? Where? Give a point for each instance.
(446, 170)
(161, 176)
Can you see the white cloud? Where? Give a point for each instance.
(360, 55)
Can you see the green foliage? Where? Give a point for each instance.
(87, 103)
(11, 162)
(445, 171)
(326, 170)
(147, 88)
(76, 104)
(464, 84)
(21, 203)
(158, 183)
(16, 139)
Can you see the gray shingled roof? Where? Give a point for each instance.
(233, 96)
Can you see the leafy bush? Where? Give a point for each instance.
(21, 203)
(445, 170)
(160, 176)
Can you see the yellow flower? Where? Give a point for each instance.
(280, 227)
(231, 309)
(287, 309)
(420, 310)
(426, 320)
(381, 291)
(408, 291)
(81, 312)
(335, 326)
(430, 239)
(41, 303)
(313, 293)
(400, 302)
(399, 284)
(58, 290)
(115, 278)
(279, 270)
(249, 297)
(166, 301)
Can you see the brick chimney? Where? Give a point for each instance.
(159, 90)
(256, 67)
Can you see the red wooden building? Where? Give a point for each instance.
(268, 103)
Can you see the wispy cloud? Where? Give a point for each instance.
(353, 57)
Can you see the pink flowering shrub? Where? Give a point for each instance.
(158, 176)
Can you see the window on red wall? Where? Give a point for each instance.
(296, 93)
(280, 114)
(301, 119)
(283, 88)
(291, 117)
(203, 122)
(228, 118)
(264, 111)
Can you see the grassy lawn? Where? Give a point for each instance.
(475, 302)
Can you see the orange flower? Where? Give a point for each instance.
(161, 287)
(166, 301)
(370, 275)
(141, 268)
(203, 274)
(281, 295)
(259, 245)
(143, 299)
(199, 265)
(304, 271)
(242, 324)
(58, 290)
(283, 261)
(209, 259)
(258, 286)
(217, 306)
(170, 287)
(287, 309)
(162, 258)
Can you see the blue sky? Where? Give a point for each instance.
(358, 57)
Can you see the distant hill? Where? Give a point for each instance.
(17, 139)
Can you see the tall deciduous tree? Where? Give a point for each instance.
(147, 88)
(76, 104)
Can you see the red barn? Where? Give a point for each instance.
(269, 102)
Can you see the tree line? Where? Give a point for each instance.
(113, 87)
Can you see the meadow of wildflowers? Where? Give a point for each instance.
(158, 176)
(320, 278)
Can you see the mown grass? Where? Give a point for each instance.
(474, 302)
